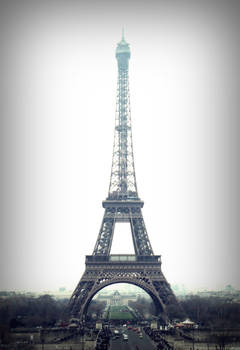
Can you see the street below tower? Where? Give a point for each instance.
(136, 340)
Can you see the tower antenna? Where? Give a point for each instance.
(123, 39)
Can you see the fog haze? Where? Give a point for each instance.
(58, 95)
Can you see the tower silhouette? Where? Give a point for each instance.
(123, 204)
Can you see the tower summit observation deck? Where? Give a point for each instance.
(123, 52)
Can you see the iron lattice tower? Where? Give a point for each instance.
(122, 205)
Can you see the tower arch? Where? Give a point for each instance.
(159, 305)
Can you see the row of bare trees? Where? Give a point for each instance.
(217, 312)
(213, 311)
(96, 309)
(26, 311)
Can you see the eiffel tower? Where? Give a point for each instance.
(142, 269)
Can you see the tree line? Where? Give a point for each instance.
(209, 312)
(25, 311)
(212, 311)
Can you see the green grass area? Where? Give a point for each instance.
(119, 313)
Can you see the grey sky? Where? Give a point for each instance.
(58, 90)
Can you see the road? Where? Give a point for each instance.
(133, 343)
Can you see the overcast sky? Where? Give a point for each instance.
(58, 96)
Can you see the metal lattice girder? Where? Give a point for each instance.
(103, 244)
(139, 233)
(80, 295)
(123, 212)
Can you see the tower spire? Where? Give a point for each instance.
(123, 179)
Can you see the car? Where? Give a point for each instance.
(116, 334)
(140, 335)
(125, 337)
